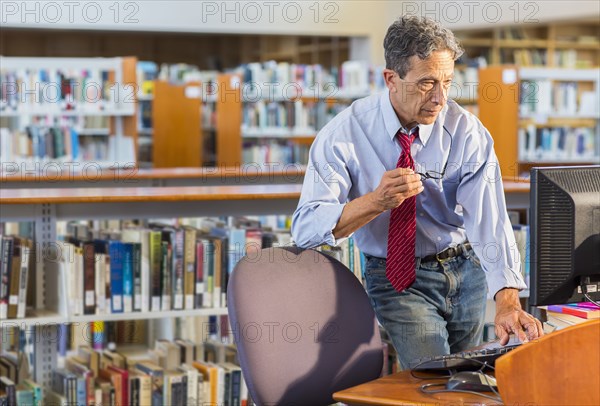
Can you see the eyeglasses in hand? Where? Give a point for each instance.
(435, 174)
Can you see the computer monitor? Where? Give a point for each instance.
(565, 234)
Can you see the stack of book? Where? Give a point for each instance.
(562, 316)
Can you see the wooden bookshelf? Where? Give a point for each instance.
(501, 98)
(229, 120)
(517, 44)
(177, 133)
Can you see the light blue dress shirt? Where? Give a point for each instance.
(350, 155)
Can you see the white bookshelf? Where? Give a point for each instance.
(47, 206)
(34, 103)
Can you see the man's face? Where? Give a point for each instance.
(419, 97)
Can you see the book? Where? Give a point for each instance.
(36, 390)
(156, 374)
(15, 276)
(583, 312)
(116, 252)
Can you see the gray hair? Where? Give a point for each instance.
(413, 35)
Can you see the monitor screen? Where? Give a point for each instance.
(565, 234)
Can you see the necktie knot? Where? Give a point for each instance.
(405, 139)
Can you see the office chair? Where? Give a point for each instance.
(303, 325)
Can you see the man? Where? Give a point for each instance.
(430, 216)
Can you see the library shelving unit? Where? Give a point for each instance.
(273, 109)
(271, 112)
(177, 127)
(61, 97)
(47, 206)
(566, 44)
(541, 116)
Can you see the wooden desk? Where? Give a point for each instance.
(402, 389)
(558, 369)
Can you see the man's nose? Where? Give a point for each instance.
(439, 94)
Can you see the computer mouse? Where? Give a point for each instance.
(471, 380)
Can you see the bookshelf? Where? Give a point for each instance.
(73, 109)
(177, 128)
(47, 206)
(565, 44)
(541, 116)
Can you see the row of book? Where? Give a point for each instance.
(298, 114)
(523, 57)
(352, 77)
(86, 90)
(17, 263)
(157, 268)
(178, 372)
(54, 143)
(546, 97)
(557, 143)
(283, 151)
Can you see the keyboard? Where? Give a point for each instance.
(462, 361)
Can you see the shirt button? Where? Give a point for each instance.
(421, 214)
(439, 238)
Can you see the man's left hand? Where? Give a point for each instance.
(512, 319)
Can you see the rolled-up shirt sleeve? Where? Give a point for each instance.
(324, 194)
(488, 228)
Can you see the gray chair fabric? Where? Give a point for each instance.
(303, 325)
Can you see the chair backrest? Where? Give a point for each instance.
(303, 325)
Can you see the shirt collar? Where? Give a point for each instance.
(392, 122)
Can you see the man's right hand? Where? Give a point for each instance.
(396, 186)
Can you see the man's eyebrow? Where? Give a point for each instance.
(434, 79)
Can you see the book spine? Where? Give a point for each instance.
(199, 273)
(166, 271)
(15, 275)
(236, 382)
(116, 276)
(137, 277)
(89, 282)
(5, 249)
(189, 267)
(146, 270)
(127, 277)
(100, 283)
(178, 288)
(25, 262)
(155, 267)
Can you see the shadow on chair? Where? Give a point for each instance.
(303, 325)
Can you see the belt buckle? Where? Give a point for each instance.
(437, 257)
(448, 257)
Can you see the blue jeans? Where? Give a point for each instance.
(441, 313)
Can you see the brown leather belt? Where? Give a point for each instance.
(448, 253)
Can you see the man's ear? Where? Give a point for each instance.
(388, 77)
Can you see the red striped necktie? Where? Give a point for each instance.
(400, 264)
